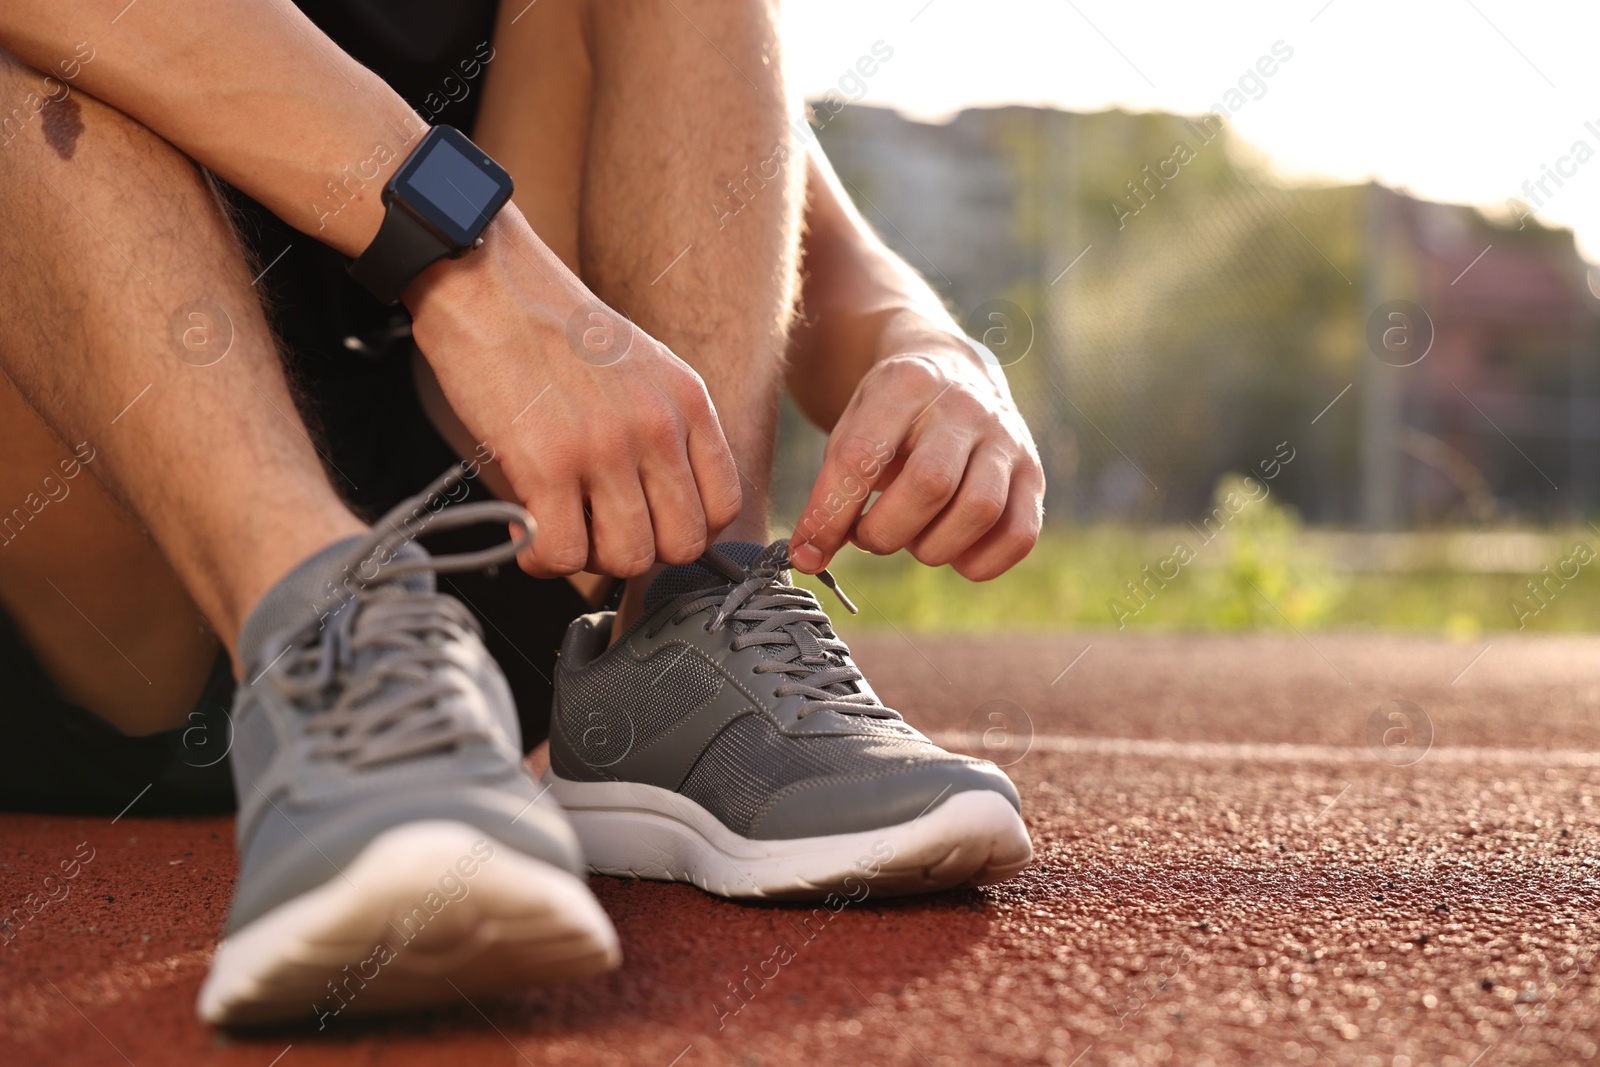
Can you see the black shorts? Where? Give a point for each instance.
(349, 360)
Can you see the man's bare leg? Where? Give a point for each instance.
(690, 214)
(91, 595)
(651, 149)
(207, 489)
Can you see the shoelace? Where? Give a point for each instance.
(397, 706)
(789, 620)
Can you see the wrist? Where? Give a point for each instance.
(458, 282)
(510, 286)
(437, 205)
(510, 263)
(913, 331)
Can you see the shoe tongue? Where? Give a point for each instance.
(687, 577)
(316, 590)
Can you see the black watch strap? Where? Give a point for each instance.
(402, 250)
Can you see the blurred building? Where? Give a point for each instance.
(1513, 363)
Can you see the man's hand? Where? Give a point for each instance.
(609, 439)
(934, 428)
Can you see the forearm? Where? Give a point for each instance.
(250, 89)
(911, 409)
(861, 303)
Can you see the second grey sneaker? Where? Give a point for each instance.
(393, 849)
(729, 740)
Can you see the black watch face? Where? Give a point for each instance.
(453, 185)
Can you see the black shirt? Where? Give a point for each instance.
(431, 53)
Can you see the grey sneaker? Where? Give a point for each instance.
(728, 740)
(393, 849)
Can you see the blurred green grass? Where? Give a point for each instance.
(1263, 571)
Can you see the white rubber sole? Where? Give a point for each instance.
(403, 926)
(630, 829)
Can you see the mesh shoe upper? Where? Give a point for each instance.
(369, 701)
(734, 690)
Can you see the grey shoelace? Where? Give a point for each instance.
(789, 620)
(377, 678)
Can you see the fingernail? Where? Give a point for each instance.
(806, 558)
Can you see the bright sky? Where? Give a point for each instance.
(1454, 100)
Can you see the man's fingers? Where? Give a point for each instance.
(975, 509)
(930, 479)
(716, 478)
(676, 512)
(562, 546)
(624, 543)
(855, 462)
(1014, 536)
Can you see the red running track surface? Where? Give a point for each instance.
(1227, 873)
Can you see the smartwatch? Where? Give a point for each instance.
(436, 205)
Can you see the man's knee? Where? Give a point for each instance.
(85, 183)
